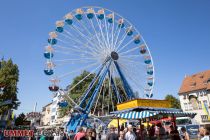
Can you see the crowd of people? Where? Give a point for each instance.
(153, 132)
(150, 133)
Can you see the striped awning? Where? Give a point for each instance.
(147, 114)
(136, 115)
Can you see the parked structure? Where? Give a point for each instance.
(194, 96)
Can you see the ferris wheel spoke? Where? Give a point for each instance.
(85, 37)
(102, 34)
(64, 60)
(66, 51)
(117, 36)
(101, 44)
(127, 60)
(107, 34)
(131, 56)
(85, 28)
(71, 39)
(83, 68)
(84, 78)
(134, 69)
(96, 34)
(83, 44)
(74, 62)
(112, 33)
(70, 49)
(127, 44)
(87, 47)
(131, 50)
(75, 42)
(121, 41)
(128, 72)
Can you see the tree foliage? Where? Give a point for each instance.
(175, 103)
(20, 119)
(9, 76)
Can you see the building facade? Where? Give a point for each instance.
(46, 115)
(56, 119)
(194, 96)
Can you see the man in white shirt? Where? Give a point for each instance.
(130, 135)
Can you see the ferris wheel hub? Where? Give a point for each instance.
(114, 55)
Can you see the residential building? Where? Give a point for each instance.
(46, 115)
(55, 116)
(194, 96)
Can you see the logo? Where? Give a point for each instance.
(18, 133)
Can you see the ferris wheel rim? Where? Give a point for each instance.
(137, 31)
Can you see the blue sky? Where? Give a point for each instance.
(177, 33)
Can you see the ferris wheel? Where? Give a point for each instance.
(105, 44)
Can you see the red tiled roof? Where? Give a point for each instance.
(197, 81)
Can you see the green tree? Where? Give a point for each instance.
(9, 75)
(175, 103)
(20, 119)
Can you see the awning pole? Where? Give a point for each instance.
(140, 129)
(118, 125)
(174, 120)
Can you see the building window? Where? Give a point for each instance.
(185, 106)
(190, 106)
(204, 118)
(199, 105)
(54, 109)
(52, 117)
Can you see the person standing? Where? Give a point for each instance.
(112, 135)
(162, 132)
(185, 134)
(130, 135)
(206, 135)
(122, 136)
(174, 133)
(80, 134)
(88, 135)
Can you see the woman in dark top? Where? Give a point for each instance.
(174, 133)
(88, 135)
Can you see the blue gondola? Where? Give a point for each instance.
(78, 16)
(150, 72)
(149, 96)
(59, 29)
(69, 21)
(121, 25)
(63, 104)
(100, 16)
(137, 40)
(48, 72)
(48, 55)
(90, 15)
(52, 41)
(110, 20)
(147, 61)
(130, 32)
(150, 83)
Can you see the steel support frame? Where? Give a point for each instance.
(127, 87)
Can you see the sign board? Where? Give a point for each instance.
(192, 130)
(144, 103)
